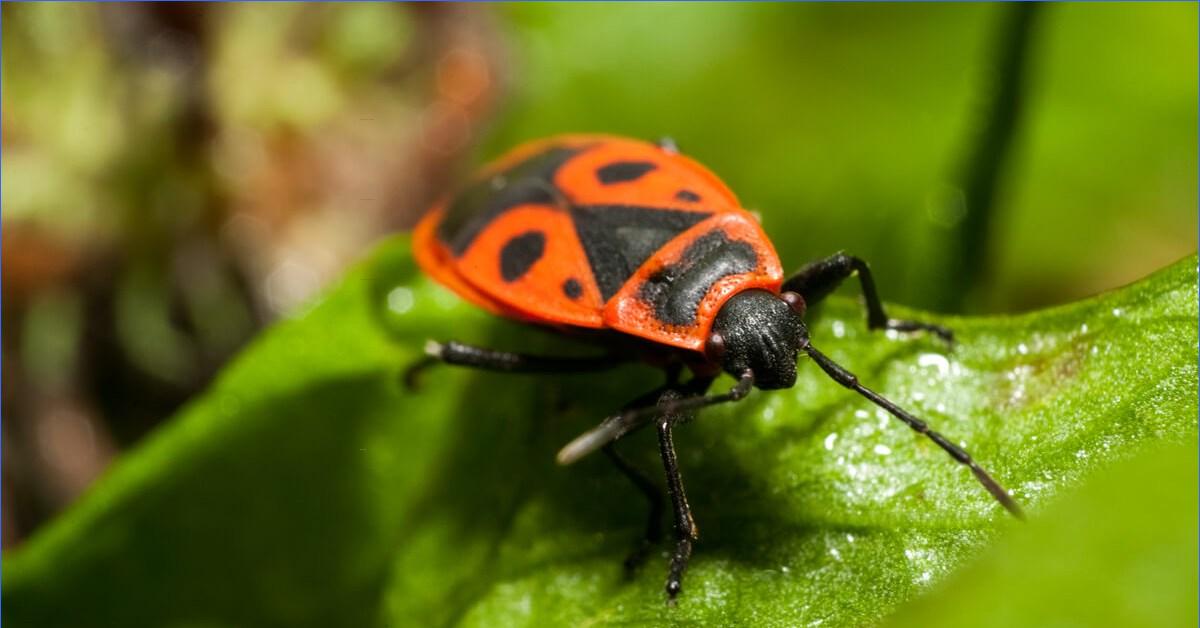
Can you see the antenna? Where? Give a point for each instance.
(840, 375)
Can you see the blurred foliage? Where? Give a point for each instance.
(309, 488)
(846, 125)
(190, 173)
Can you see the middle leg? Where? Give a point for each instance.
(654, 497)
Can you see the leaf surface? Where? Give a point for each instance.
(307, 487)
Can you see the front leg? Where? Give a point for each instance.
(816, 280)
(674, 408)
(675, 404)
(686, 532)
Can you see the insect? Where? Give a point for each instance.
(644, 250)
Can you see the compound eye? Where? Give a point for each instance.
(715, 349)
(794, 301)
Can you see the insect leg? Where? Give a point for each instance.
(492, 360)
(844, 377)
(653, 495)
(817, 279)
(647, 487)
(686, 532)
(635, 416)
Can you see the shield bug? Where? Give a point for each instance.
(646, 250)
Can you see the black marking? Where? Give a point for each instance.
(620, 238)
(675, 291)
(520, 254)
(572, 288)
(623, 171)
(687, 195)
(529, 182)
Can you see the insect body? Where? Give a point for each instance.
(638, 246)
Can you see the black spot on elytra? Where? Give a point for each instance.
(687, 195)
(675, 291)
(520, 254)
(622, 171)
(572, 288)
(620, 238)
(529, 182)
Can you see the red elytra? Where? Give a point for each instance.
(552, 187)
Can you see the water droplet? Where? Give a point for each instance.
(839, 329)
(829, 441)
(400, 300)
(850, 538)
(785, 569)
(938, 361)
(835, 553)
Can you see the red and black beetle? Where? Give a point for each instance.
(647, 250)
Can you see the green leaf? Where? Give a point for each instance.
(309, 488)
(1122, 552)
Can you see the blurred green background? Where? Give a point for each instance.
(178, 176)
